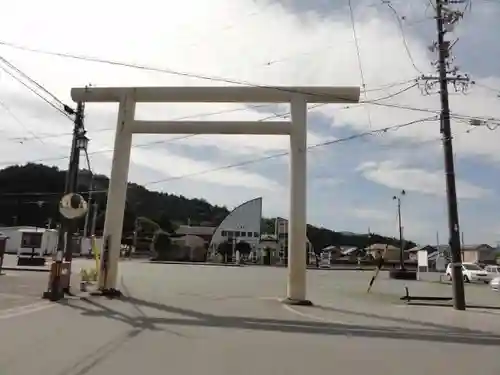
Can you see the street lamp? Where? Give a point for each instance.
(401, 246)
(82, 141)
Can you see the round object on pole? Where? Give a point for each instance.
(73, 206)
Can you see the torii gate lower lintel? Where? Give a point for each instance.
(296, 129)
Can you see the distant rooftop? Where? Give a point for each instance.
(195, 230)
(473, 247)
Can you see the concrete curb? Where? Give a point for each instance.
(195, 263)
(256, 265)
(25, 269)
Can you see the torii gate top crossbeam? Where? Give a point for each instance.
(218, 94)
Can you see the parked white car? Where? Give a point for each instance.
(495, 284)
(471, 271)
(492, 271)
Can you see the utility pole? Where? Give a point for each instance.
(67, 226)
(95, 208)
(72, 180)
(400, 225)
(446, 18)
(89, 202)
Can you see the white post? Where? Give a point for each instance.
(297, 237)
(117, 191)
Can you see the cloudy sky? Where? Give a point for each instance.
(279, 42)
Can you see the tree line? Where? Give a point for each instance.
(29, 195)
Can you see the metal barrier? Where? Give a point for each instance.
(407, 298)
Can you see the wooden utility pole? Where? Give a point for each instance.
(446, 18)
(67, 228)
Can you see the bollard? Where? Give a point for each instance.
(3, 242)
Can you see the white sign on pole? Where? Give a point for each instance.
(422, 262)
(423, 258)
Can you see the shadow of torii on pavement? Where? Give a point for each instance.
(439, 333)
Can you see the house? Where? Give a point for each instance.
(192, 247)
(199, 231)
(15, 238)
(413, 252)
(330, 253)
(392, 254)
(281, 233)
(482, 253)
(268, 249)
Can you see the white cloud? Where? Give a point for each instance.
(384, 220)
(398, 176)
(372, 213)
(161, 162)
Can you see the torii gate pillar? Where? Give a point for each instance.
(297, 97)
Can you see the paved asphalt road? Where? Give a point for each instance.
(224, 320)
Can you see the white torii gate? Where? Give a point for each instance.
(127, 97)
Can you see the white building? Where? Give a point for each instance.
(242, 224)
(21, 237)
(281, 234)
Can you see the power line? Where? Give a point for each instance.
(35, 92)
(206, 114)
(7, 109)
(159, 70)
(199, 76)
(19, 71)
(148, 144)
(169, 71)
(175, 139)
(281, 154)
(495, 90)
(398, 92)
(208, 33)
(358, 55)
(403, 34)
(268, 157)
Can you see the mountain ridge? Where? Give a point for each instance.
(29, 195)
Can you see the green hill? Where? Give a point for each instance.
(29, 195)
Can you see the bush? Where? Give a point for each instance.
(88, 275)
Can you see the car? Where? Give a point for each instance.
(492, 271)
(471, 272)
(495, 283)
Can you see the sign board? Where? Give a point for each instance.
(441, 263)
(422, 262)
(423, 258)
(73, 206)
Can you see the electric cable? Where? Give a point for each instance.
(193, 75)
(360, 64)
(261, 159)
(281, 154)
(403, 34)
(257, 106)
(37, 93)
(174, 139)
(19, 71)
(206, 114)
(164, 70)
(16, 119)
